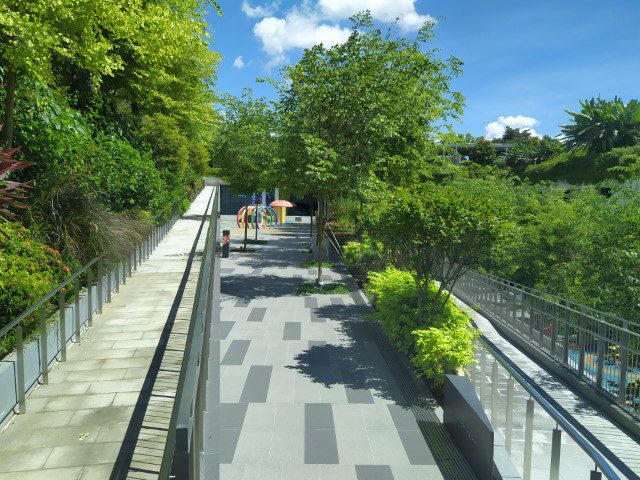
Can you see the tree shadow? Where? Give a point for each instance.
(243, 286)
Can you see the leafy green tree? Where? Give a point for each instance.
(247, 149)
(483, 153)
(363, 112)
(602, 125)
(512, 135)
(437, 233)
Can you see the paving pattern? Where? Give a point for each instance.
(309, 389)
(105, 411)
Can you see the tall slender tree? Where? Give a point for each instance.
(363, 112)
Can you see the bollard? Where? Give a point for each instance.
(226, 243)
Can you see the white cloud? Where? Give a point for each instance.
(496, 129)
(259, 11)
(297, 30)
(383, 10)
(238, 62)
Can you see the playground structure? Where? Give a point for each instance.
(258, 217)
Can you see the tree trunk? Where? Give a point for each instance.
(320, 225)
(9, 111)
(311, 227)
(246, 220)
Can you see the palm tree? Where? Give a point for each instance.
(603, 125)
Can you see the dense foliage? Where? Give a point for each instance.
(111, 103)
(602, 125)
(364, 111)
(440, 343)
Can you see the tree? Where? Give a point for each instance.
(483, 153)
(161, 48)
(247, 148)
(437, 233)
(363, 112)
(512, 135)
(602, 125)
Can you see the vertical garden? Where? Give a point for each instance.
(108, 120)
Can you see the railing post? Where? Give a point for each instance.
(565, 337)
(556, 437)
(100, 286)
(76, 308)
(582, 338)
(44, 355)
(135, 258)
(508, 425)
(494, 394)
(89, 297)
(595, 474)
(22, 407)
(483, 376)
(554, 332)
(124, 271)
(528, 441)
(62, 309)
(109, 286)
(600, 341)
(117, 277)
(624, 364)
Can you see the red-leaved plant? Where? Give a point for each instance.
(12, 194)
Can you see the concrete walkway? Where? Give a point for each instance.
(605, 435)
(105, 411)
(309, 389)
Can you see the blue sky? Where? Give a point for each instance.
(525, 63)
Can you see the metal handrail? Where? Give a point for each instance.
(33, 308)
(115, 275)
(582, 343)
(39, 303)
(183, 446)
(560, 420)
(560, 301)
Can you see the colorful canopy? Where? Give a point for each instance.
(281, 203)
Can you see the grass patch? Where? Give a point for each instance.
(315, 264)
(251, 241)
(327, 288)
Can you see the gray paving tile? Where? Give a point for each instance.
(257, 314)
(318, 416)
(315, 318)
(236, 352)
(292, 331)
(256, 387)
(403, 418)
(228, 443)
(241, 303)
(416, 448)
(374, 472)
(232, 415)
(225, 329)
(337, 301)
(320, 447)
(358, 395)
(310, 302)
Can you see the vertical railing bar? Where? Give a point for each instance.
(22, 405)
(556, 443)
(89, 297)
(44, 354)
(528, 441)
(76, 308)
(508, 427)
(100, 287)
(62, 309)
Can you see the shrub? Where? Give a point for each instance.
(441, 344)
(66, 214)
(395, 297)
(446, 346)
(28, 270)
(363, 257)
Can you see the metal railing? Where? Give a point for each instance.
(600, 348)
(184, 448)
(504, 391)
(91, 287)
